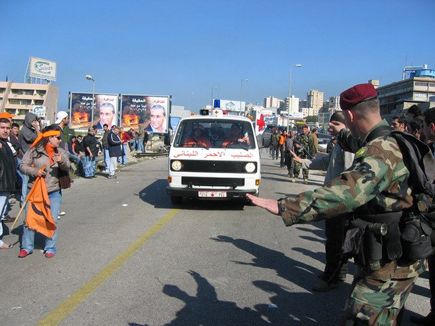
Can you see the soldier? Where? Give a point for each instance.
(304, 148)
(375, 188)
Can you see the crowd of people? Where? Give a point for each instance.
(367, 184)
(30, 151)
(305, 144)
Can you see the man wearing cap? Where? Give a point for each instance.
(373, 188)
(62, 120)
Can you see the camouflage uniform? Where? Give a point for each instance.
(376, 183)
(307, 142)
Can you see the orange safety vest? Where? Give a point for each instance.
(282, 140)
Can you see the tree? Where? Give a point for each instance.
(312, 118)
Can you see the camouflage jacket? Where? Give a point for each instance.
(308, 143)
(376, 183)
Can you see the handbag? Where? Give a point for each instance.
(64, 179)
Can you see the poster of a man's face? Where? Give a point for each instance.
(106, 110)
(157, 108)
(150, 112)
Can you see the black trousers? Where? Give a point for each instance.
(335, 235)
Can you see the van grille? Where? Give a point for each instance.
(218, 182)
(215, 166)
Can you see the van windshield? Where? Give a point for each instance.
(215, 134)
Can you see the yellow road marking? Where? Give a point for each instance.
(66, 307)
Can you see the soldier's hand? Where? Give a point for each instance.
(271, 205)
(335, 127)
(297, 146)
(295, 157)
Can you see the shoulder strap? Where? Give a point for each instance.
(419, 160)
(379, 132)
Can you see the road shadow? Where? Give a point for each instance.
(154, 194)
(320, 232)
(311, 309)
(205, 309)
(285, 267)
(212, 205)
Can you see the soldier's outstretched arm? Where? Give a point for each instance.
(271, 205)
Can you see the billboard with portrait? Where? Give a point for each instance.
(106, 110)
(151, 112)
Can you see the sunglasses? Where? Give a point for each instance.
(58, 137)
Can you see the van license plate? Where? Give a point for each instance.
(211, 194)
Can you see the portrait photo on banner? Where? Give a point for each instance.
(106, 110)
(156, 118)
(151, 112)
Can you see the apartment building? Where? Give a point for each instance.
(315, 100)
(20, 98)
(272, 102)
(397, 97)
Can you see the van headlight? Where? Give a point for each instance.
(176, 165)
(250, 167)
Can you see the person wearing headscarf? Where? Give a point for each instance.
(45, 159)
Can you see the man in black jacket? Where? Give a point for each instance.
(91, 145)
(7, 173)
(115, 150)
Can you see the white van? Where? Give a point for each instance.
(213, 157)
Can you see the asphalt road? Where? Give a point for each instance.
(127, 257)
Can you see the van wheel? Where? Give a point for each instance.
(176, 200)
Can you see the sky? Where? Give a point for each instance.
(186, 48)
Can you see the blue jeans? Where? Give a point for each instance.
(24, 189)
(74, 158)
(124, 157)
(89, 166)
(106, 160)
(28, 239)
(140, 145)
(132, 143)
(4, 200)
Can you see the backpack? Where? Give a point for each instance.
(418, 224)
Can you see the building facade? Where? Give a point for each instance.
(396, 98)
(20, 98)
(315, 99)
(272, 102)
(292, 105)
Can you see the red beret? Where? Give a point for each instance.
(356, 94)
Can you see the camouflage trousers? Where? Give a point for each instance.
(378, 298)
(297, 170)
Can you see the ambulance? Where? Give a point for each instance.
(214, 157)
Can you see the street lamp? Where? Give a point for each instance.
(89, 77)
(298, 65)
(241, 91)
(212, 89)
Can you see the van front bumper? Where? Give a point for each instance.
(194, 193)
